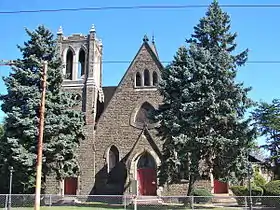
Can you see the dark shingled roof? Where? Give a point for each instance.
(255, 158)
(108, 93)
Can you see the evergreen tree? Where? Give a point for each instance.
(63, 125)
(267, 121)
(202, 117)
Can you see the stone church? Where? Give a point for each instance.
(121, 152)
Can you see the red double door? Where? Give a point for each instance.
(147, 181)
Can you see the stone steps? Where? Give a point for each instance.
(223, 198)
(147, 200)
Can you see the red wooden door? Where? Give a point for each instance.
(147, 181)
(70, 186)
(220, 187)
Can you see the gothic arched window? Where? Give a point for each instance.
(69, 64)
(143, 116)
(82, 62)
(146, 77)
(146, 161)
(138, 79)
(155, 78)
(113, 157)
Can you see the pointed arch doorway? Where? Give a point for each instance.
(147, 174)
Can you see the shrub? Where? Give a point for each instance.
(259, 180)
(206, 196)
(238, 190)
(272, 189)
(244, 191)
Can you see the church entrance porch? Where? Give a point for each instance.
(147, 175)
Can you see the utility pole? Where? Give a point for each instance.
(10, 188)
(249, 181)
(41, 131)
(40, 139)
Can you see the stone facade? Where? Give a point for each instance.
(87, 85)
(119, 135)
(116, 125)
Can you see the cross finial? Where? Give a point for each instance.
(92, 28)
(145, 39)
(60, 31)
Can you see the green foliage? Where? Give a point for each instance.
(259, 180)
(63, 125)
(206, 195)
(244, 191)
(202, 116)
(256, 191)
(272, 189)
(239, 190)
(1, 131)
(267, 121)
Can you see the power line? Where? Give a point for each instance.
(163, 62)
(141, 7)
(166, 62)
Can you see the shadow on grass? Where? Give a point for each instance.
(141, 207)
(130, 206)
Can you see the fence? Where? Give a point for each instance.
(102, 202)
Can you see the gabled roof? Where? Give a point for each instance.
(151, 50)
(152, 53)
(149, 138)
(255, 158)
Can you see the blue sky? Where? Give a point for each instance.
(122, 31)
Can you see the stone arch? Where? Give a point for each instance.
(138, 79)
(69, 47)
(81, 63)
(112, 157)
(83, 47)
(117, 173)
(69, 55)
(135, 160)
(155, 78)
(141, 104)
(147, 81)
(142, 115)
(146, 160)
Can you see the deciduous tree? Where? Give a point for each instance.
(267, 121)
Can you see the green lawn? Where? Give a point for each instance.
(106, 206)
(94, 207)
(62, 208)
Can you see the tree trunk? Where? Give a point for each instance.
(191, 184)
(277, 171)
(188, 200)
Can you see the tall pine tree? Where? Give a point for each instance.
(63, 125)
(202, 116)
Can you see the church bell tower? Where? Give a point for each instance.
(82, 68)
